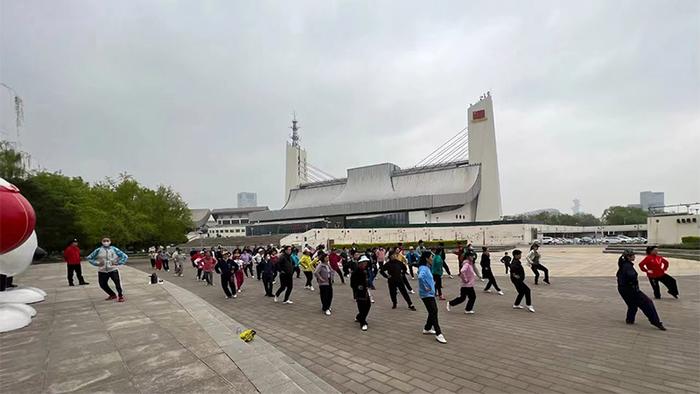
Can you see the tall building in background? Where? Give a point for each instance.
(649, 199)
(296, 171)
(247, 199)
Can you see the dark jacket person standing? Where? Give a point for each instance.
(285, 267)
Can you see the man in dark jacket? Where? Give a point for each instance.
(226, 267)
(628, 287)
(285, 267)
(486, 271)
(397, 271)
(360, 291)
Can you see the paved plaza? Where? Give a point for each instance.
(164, 338)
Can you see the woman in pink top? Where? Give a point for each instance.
(468, 278)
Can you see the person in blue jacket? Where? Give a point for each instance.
(107, 258)
(426, 290)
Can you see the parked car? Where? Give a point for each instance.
(612, 239)
(587, 240)
(625, 239)
(547, 240)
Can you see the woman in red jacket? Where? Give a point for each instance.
(655, 267)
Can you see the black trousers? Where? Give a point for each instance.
(340, 274)
(432, 321)
(258, 271)
(539, 267)
(363, 307)
(5, 282)
(309, 276)
(297, 270)
(208, 277)
(397, 284)
(406, 282)
(507, 267)
(226, 284)
(199, 273)
(438, 284)
(153, 263)
(488, 275)
(446, 267)
(78, 269)
(248, 269)
(103, 279)
(410, 270)
(464, 293)
(165, 265)
(267, 285)
(286, 285)
(326, 292)
(523, 291)
(668, 281)
(346, 268)
(635, 299)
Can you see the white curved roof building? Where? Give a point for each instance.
(455, 191)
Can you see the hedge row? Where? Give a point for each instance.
(451, 244)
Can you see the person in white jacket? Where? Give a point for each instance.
(533, 260)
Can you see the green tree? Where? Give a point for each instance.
(11, 166)
(624, 215)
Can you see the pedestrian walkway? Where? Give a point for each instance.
(163, 339)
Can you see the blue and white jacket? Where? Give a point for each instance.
(107, 258)
(426, 283)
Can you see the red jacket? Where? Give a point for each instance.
(334, 259)
(72, 255)
(654, 266)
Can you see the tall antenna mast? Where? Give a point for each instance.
(295, 131)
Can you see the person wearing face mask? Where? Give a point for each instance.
(107, 258)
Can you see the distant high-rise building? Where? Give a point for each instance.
(649, 199)
(576, 209)
(247, 200)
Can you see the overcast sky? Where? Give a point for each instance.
(593, 99)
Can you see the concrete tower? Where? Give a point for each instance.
(482, 150)
(295, 162)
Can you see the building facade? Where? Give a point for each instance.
(649, 199)
(458, 191)
(247, 200)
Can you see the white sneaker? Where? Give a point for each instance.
(429, 332)
(448, 306)
(469, 312)
(311, 288)
(412, 292)
(487, 291)
(517, 306)
(482, 279)
(288, 302)
(276, 299)
(451, 277)
(500, 292)
(530, 308)
(328, 312)
(235, 295)
(364, 327)
(372, 300)
(440, 338)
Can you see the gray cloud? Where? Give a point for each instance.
(596, 100)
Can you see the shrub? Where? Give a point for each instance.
(691, 240)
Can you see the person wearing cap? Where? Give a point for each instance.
(324, 277)
(72, 257)
(108, 258)
(360, 291)
(426, 290)
(628, 287)
(655, 267)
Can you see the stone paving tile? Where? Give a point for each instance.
(576, 341)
